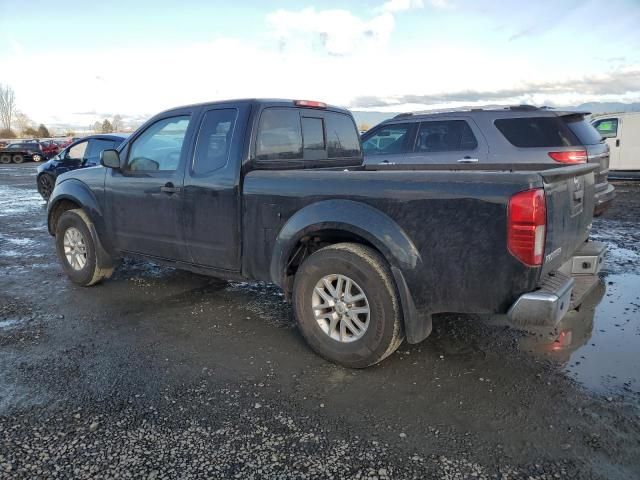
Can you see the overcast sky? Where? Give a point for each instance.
(76, 61)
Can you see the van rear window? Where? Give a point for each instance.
(535, 132)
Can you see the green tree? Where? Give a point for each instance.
(7, 133)
(43, 132)
(107, 127)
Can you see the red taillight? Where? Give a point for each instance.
(573, 156)
(527, 220)
(309, 103)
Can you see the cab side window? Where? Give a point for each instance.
(159, 147)
(214, 140)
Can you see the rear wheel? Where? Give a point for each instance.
(346, 305)
(45, 185)
(37, 158)
(84, 262)
(18, 159)
(5, 158)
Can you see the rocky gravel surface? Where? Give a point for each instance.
(229, 436)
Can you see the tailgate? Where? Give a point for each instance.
(569, 195)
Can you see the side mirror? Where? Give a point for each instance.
(110, 159)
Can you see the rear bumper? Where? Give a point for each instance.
(604, 197)
(562, 291)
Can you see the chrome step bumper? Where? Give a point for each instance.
(562, 291)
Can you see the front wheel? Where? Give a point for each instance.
(45, 185)
(83, 263)
(346, 305)
(18, 159)
(37, 158)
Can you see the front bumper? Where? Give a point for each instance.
(562, 291)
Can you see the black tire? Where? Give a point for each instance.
(37, 158)
(368, 269)
(98, 265)
(5, 158)
(46, 183)
(18, 159)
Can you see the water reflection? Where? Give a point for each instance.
(599, 344)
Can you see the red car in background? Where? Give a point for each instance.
(50, 148)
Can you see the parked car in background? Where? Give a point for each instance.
(50, 148)
(622, 133)
(275, 190)
(80, 154)
(21, 151)
(68, 141)
(514, 135)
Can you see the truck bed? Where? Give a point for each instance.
(455, 218)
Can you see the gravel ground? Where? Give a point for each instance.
(165, 374)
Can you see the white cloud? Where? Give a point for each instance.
(393, 6)
(338, 32)
(330, 55)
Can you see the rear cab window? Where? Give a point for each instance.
(306, 137)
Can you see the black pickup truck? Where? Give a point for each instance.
(275, 190)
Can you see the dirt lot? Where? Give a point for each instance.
(159, 373)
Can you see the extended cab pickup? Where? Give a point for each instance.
(275, 190)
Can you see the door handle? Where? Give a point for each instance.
(468, 159)
(617, 142)
(169, 188)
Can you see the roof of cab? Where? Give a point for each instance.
(264, 102)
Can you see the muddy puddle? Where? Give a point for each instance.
(599, 344)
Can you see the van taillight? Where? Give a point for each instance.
(527, 221)
(573, 156)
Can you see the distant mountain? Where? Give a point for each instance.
(606, 107)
